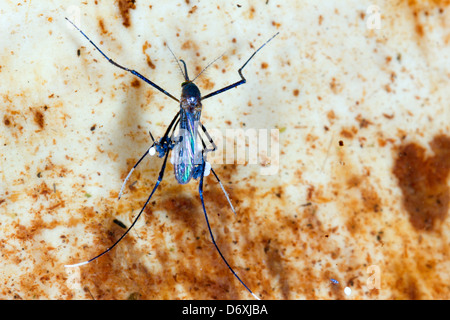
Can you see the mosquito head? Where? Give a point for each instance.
(190, 97)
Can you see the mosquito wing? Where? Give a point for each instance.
(185, 154)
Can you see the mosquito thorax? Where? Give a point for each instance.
(190, 97)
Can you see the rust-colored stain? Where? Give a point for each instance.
(421, 9)
(276, 24)
(124, 7)
(39, 118)
(272, 250)
(200, 273)
(335, 86)
(101, 24)
(251, 13)
(349, 133)
(193, 9)
(337, 206)
(136, 83)
(187, 45)
(360, 202)
(363, 122)
(149, 60)
(206, 83)
(6, 121)
(423, 181)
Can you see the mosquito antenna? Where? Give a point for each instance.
(208, 66)
(179, 66)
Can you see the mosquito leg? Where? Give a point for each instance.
(200, 191)
(149, 150)
(211, 141)
(224, 192)
(132, 169)
(243, 80)
(154, 85)
(161, 175)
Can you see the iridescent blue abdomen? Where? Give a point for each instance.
(185, 153)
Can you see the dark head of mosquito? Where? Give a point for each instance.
(190, 94)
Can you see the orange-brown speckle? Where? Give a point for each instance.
(124, 7)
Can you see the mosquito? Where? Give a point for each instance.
(188, 158)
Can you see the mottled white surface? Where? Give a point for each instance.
(73, 125)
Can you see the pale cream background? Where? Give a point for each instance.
(72, 127)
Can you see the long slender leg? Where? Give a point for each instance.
(214, 148)
(224, 192)
(161, 175)
(215, 175)
(200, 191)
(124, 68)
(132, 169)
(147, 152)
(243, 80)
